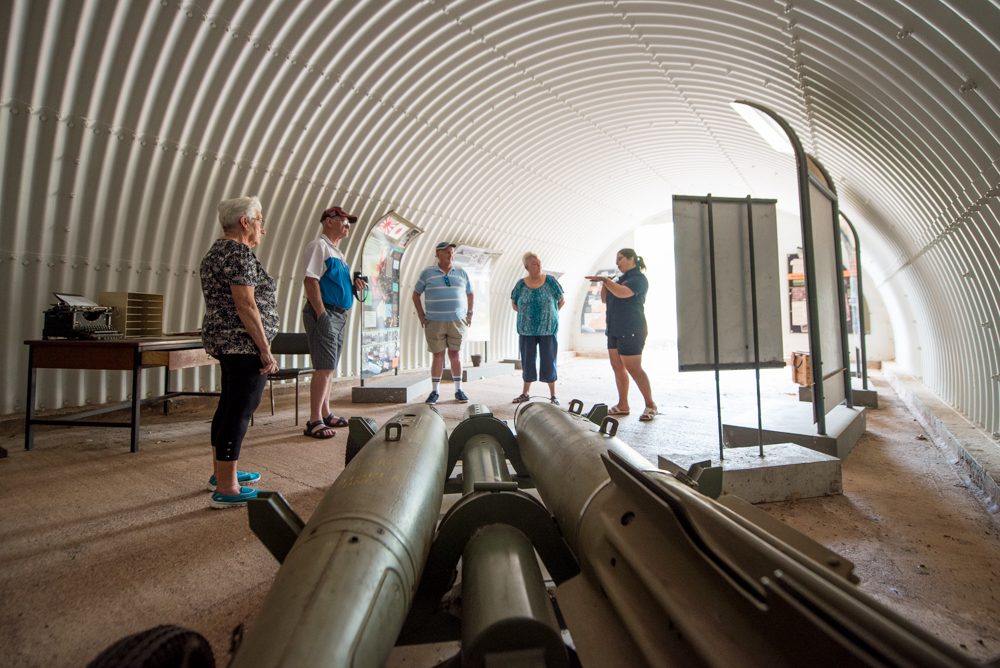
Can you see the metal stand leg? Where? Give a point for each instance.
(756, 341)
(715, 321)
(136, 398)
(29, 411)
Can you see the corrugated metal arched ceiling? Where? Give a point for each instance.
(548, 125)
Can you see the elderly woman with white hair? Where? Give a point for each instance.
(241, 319)
(537, 299)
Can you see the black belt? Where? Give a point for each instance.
(335, 309)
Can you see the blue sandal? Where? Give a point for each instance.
(242, 478)
(233, 500)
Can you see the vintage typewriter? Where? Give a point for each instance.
(76, 317)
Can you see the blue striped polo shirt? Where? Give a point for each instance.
(443, 302)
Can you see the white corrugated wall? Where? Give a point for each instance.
(553, 126)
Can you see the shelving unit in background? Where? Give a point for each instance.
(135, 313)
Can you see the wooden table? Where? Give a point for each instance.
(181, 352)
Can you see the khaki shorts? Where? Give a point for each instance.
(445, 335)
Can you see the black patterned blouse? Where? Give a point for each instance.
(229, 263)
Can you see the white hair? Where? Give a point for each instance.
(528, 256)
(231, 210)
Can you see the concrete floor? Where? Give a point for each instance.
(97, 543)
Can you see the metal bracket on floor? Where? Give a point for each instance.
(597, 413)
(274, 522)
(701, 476)
(359, 432)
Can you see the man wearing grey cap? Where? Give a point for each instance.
(448, 299)
(328, 291)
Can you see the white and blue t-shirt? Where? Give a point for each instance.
(444, 295)
(324, 261)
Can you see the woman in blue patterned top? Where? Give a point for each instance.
(537, 299)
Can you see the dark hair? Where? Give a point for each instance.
(631, 255)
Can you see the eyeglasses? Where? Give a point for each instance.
(447, 282)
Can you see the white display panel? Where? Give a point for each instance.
(733, 295)
(828, 276)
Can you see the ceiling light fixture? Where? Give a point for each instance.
(765, 126)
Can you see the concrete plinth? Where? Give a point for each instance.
(861, 397)
(516, 363)
(793, 423)
(392, 389)
(786, 472)
(480, 372)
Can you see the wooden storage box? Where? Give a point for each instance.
(801, 368)
(135, 313)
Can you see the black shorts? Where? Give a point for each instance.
(630, 344)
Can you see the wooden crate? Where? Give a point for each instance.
(135, 313)
(801, 368)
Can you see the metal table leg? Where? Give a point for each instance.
(166, 390)
(136, 397)
(29, 412)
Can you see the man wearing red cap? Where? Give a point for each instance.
(328, 291)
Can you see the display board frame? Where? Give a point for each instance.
(378, 324)
(732, 253)
(828, 301)
(478, 264)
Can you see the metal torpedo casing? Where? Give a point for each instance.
(562, 452)
(670, 577)
(343, 591)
